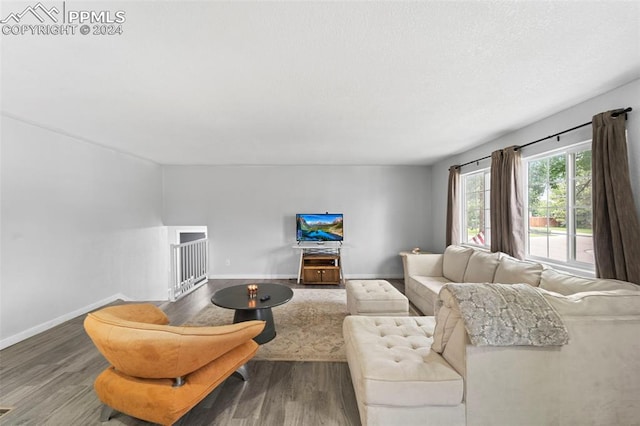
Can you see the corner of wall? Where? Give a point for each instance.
(30, 332)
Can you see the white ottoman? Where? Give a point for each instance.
(397, 378)
(375, 297)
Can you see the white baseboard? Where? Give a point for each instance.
(251, 277)
(293, 277)
(12, 340)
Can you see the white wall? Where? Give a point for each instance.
(250, 213)
(81, 225)
(622, 97)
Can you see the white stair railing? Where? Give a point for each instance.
(189, 267)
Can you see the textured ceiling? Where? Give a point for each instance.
(317, 82)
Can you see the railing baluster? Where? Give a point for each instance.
(189, 267)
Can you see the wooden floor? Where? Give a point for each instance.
(48, 380)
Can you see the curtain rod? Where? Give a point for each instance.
(614, 114)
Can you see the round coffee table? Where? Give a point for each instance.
(248, 309)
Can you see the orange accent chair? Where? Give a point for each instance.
(159, 372)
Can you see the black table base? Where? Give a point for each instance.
(264, 314)
(259, 307)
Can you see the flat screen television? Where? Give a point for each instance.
(319, 227)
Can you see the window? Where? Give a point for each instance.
(475, 208)
(559, 207)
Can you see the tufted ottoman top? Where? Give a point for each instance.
(392, 364)
(375, 297)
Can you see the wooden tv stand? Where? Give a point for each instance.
(321, 269)
(320, 264)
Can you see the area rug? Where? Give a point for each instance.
(308, 327)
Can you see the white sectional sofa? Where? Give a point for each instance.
(425, 371)
(429, 272)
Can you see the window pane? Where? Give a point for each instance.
(559, 197)
(558, 247)
(474, 183)
(539, 222)
(557, 169)
(474, 199)
(583, 164)
(558, 208)
(473, 220)
(584, 236)
(538, 244)
(584, 249)
(582, 181)
(487, 235)
(537, 182)
(582, 191)
(582, 208)
(539, 215)
(475, 208)
(583, 221)
(472, 233)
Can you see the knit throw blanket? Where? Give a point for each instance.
(507, 315)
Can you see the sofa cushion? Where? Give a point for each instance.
(394, 365)
(481, 267)
(426, 289)
(595, 303)
(564, 283)
(431, 285)
(514, 271)
(454, 262)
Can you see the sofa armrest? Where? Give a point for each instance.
(426, 265)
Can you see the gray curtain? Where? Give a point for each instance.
(506, 203)
(616, 231)
(453, 207)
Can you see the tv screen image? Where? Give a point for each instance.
(319, 227)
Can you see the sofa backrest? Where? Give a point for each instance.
(514, 271)
(454, 262)
(595, 303)
(481, 267)
(565, 283)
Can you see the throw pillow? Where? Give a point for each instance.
(454, 262)
(481, 267)
(513, 271)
